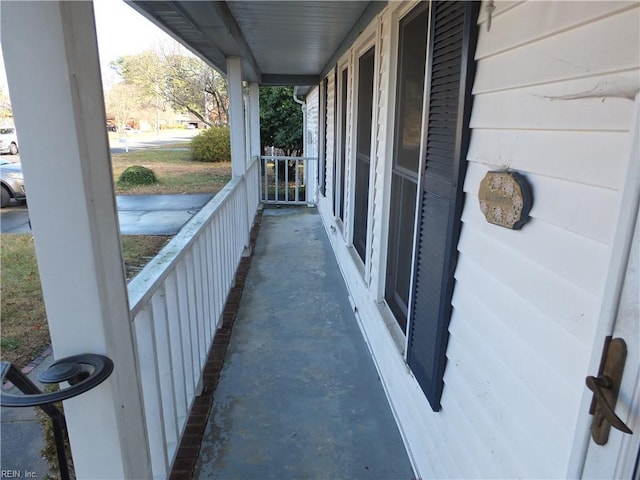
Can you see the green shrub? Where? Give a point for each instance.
(212, 145)
(137, 175)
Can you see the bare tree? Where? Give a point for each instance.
(179, 79)
(123, 102)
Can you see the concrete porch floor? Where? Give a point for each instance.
(298, 396)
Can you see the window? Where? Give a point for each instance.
(363, 152)
(412, 53)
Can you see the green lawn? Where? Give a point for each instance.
(175, 171)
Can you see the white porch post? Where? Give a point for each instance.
(254, 119)
(238, 132)
(52, 66)
(236, 116)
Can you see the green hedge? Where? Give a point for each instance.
(212, 145)
(137, 175)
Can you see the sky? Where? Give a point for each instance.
(121, 30)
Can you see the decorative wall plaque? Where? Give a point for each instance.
(505, 199)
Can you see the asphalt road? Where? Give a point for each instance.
(138, 214)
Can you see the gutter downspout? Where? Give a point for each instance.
(303, 106)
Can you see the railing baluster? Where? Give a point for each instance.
(213, 319)
(188, 351)
(275, 179)
(204, 280)
(148, 367)
(286, 180)
(193, 314)
(219, 286)
(165, 370)
(197, 288)
(265, 193)
(224, 225)
(201, 294)
(297, 198)
(177, 353)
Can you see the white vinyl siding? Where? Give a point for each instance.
(330, 136)
(380, 164)
(552, 99)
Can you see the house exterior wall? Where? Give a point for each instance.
(553, 99)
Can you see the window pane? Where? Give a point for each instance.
(411, 67)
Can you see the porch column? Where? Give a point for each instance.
(238, 133)
(52, 66)
(236, 116)
(254, 119)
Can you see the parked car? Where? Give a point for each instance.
(12, 182)
(8, 140)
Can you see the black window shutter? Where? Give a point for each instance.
(449, 78)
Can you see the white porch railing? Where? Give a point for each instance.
(285, 180)
(176, 304)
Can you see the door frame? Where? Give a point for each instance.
(618, 262)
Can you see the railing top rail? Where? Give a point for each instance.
(141, 288)
(282, 157)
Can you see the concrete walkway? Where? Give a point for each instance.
(299, 396)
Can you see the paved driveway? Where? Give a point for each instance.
(138, 214)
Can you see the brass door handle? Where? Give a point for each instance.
(596, 385)
(605, 389)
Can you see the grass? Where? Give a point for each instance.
(24, 327)
(175, 171)
(24, 331)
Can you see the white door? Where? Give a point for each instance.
(620, 456)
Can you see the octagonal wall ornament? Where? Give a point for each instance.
(505, 199)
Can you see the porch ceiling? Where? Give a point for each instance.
(281, 42)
